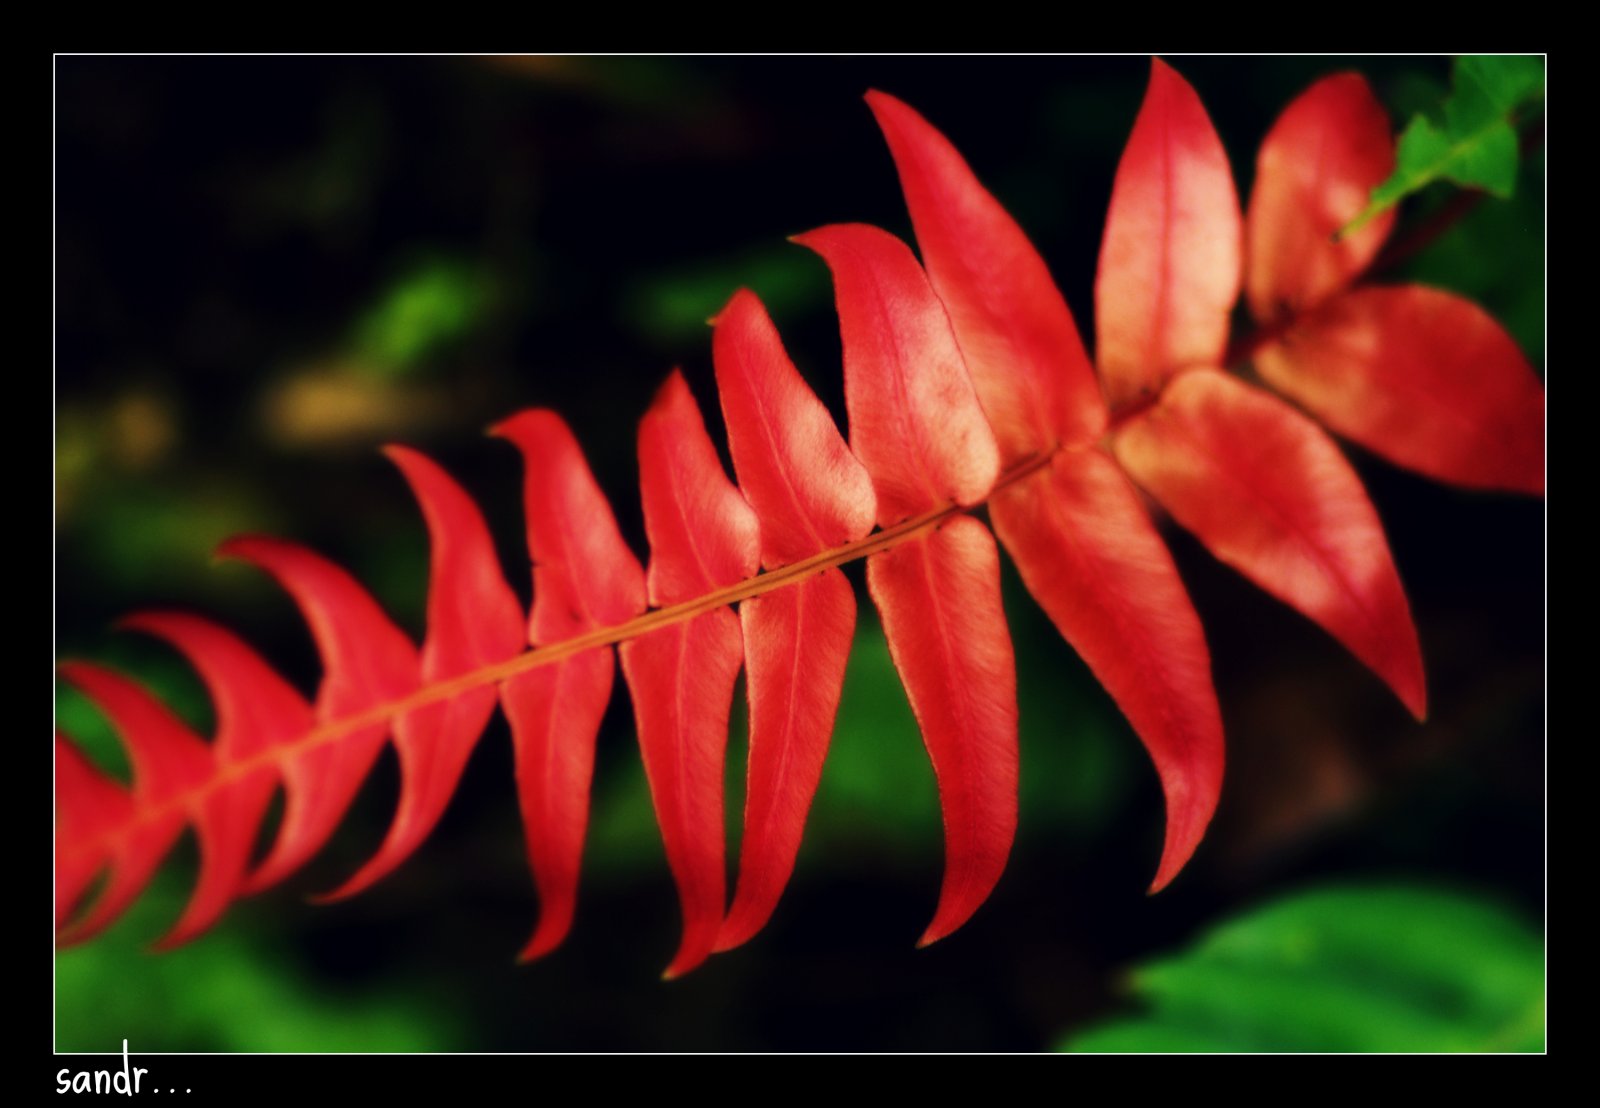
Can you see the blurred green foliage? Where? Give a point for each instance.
(234, 992)
(1377, 968)
(1496, 255)
(425, 308)
(675, 307)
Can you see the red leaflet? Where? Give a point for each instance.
(1091, 558)
(1422, 377)
(703, 535)
(916, 423)
(367, 661)
(940, 602)
(702, 531)
(256, 710)
(555, 710)
(1315, 170)
(474, 619)
(1270, 494)
(796, 644)
(810, 494)
(808, 489)
(1170, 259)
(168, 760)
(555, 713)
(90, 808)
(584, 575)
(682, 681)
(1016, 333)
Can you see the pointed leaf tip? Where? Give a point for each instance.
(1422, 377)
(797, 644)
(1089, 554)
(682, 678)
(1172, 256)
(584, 576)
(367, 662)
(808, 490)
(703, 536)
(703, 533)
(939, 599)
(1018, 338)
(1326, 152)
(810, 493)
(1269, 493)
(915, 419)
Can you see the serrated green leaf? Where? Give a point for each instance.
(1472, 142)
(1348, 969)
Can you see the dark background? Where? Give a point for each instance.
(268, 267)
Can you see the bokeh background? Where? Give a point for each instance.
(267, 267)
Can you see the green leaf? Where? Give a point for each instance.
(236, 990)
(1382, 968)
(428, 307)
(1473, 142)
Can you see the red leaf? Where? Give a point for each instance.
(90, 807)
(584, 575)
(810, 494)
(555, 714)
(474, 619)
(939, 597)
(1270, 494)
(703, 535)
(796, 643)
(1016, 333)
(168, 761)
(1317, 166)
(1091, 558)
(1421, 377)
(256, 711)
(555, 710)
(808, 490)
(367, 662)
(915, 421)
(682, 680)
(1170, 259)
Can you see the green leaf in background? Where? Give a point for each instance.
(1381, 968)
(1495, 256)
(231, 992)
(429, 305)
(1473, 142)
(673, 306)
